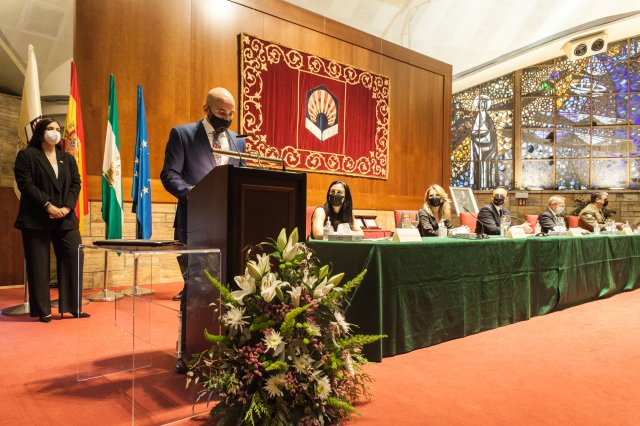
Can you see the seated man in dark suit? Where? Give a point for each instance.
(551, 219)
(490, 216)
(188, 159)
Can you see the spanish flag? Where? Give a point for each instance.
(73, 143)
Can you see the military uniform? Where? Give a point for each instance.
(590, 215)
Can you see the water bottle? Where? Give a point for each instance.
(538, 229)
(596, 229)
(405, 221)
(442, 229)
(326, 230)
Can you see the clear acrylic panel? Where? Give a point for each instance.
(573, 143)
(133, 340)
(609, 142)
(538, 174)
(537, 144)
(609, 173)
(572, 174)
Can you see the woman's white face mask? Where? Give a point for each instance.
(52, 137)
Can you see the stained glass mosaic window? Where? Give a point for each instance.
(482, 135)
(580, 125)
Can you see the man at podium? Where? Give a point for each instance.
(189, 157)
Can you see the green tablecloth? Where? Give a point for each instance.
(421, 294)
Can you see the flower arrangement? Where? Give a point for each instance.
(287, 355)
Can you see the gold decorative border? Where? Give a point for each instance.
(257, 55)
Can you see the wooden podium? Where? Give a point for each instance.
(234, 208)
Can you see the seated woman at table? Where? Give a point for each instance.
(436, 208)
(338, 208)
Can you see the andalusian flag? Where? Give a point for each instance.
(73, 143)
(30, 108)
(141, 188)
(112, 171)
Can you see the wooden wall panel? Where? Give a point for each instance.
(195, 48)
(141, 42)
(12, 270)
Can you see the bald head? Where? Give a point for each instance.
(220, 103)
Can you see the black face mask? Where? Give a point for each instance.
(219, 124)
(435, 201)
(498, 201)
(335, 199)
(606, 203)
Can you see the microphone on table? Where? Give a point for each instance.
(482, 234)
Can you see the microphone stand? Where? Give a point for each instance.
(244, 156)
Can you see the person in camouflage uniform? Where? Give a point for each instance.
(593, 213)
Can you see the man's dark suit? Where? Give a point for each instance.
(547, 220)
(489, 219)
(187, 160)
(38, 185)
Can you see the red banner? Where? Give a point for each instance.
(316, 114)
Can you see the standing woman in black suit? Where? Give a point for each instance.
(49, 184)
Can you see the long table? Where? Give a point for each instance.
(421, 294)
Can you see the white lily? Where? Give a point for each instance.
(247, 287)
(295, 293)
(259, 268)
(269, 285)
(322, 289)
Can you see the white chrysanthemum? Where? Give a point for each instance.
(314, 328)
(269, 285)
(302, 363)
(322, 289)
(323, 387)
(273, 385)
(274, 341)
(234, 318)
(247, 287)
(342, 322)
(295, 293)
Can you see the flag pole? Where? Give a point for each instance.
(105, 295)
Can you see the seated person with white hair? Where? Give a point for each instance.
(551, 219)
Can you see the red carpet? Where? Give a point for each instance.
(575, 367)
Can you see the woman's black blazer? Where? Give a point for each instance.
(38, 185)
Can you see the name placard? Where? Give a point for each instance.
(516, 232)
(406, 235)
(626, 231)
(574, 232)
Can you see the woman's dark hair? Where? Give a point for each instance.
(345, 214)
(38, 132)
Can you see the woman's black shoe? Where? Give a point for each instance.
(81, 315)
(46, 318)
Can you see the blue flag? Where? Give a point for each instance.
(141, 189)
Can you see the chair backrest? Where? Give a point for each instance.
(468, 220)
(532, 219)
(413, 215)
(573, 221)
(310, 210)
